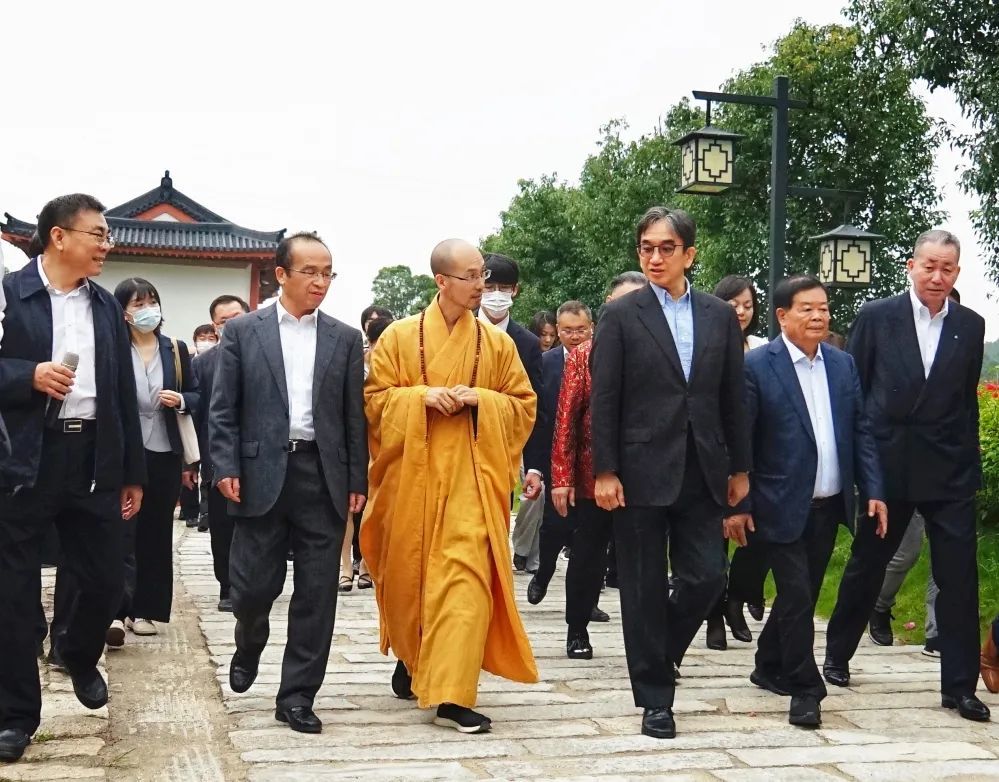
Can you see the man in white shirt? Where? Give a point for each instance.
(288, 443)
(808, 453)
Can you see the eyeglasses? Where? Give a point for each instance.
(579, 332)
(666, 250)
(471, 277)
(315, 275)
(100, 236)
(499, 287)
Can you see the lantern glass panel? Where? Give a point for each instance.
(715, 161)
(827, 254)
(853, 262)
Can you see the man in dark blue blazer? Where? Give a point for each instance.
(76, 459)
(811, 446)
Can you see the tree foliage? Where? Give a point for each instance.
(866, 131)
(401, 291)
(951, 44)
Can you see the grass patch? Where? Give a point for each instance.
(42, 736)
(910, 606)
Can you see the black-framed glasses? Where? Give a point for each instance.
(666, 250)
(471, 277)
(100, 236)
(316, 275)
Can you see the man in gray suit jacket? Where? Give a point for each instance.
(288, 443)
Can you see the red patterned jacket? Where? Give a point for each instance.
(572, 444)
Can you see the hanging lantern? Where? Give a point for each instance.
(846, 257)
(707, 161)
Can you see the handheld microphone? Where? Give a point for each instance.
(54, 406)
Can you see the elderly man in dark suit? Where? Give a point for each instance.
(670, 452)
(289, 449)
(811, 446)
(222, 309)
(919, 356)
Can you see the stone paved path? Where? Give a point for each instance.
(578, 723)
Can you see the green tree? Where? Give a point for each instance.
(401, 291)
(950, 44)
(866, 130)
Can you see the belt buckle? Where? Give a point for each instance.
(292, 446)
(72, 425)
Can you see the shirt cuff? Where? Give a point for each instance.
(535, 472)
(183, 404)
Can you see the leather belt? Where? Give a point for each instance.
(73, 426)
(825, 502)
(302, 446)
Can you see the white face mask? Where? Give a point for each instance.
(204, 345)
(497, 302)
(146, 319)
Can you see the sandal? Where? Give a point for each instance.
(364, 581)
(346, 583)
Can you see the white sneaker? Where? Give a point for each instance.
(115, 635)
(142, 627)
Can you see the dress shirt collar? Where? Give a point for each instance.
(662, 294)
(797, 354)
(282, 313)
(51, 289)
(503, 325)
(920, 311)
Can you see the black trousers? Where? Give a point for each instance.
(304, 519)
(149, 542)
(90, 535)
(950, 527)
(659, 626)
(588, 563)
(747, 574)
(556, 534)
(220, 527)
(785, 648)
(190, 502)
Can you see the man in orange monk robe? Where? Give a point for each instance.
(450, 408)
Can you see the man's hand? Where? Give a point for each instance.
(229, 488)
(735, 527)
(443, 400)
(562, 498)
(355, 502)
(131, 501)
(879, 509)
(468, 396)
(187, 478)
(532, 485)
(738, 488)
(609, 493)
(53, 379)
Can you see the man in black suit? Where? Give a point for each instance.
(223, 309)
(76, 457)
(288, 445)
(919, 357)
(670, 452)
(811, 446)
(501, 289)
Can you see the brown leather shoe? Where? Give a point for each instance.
(990, 663)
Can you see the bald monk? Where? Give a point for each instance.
(450, 408)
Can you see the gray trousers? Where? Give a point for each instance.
(903, 561)
(527, 529)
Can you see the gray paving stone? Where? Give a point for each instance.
(963, 770)
(660, 762)
(369, 772)
(783, 774)
(862, 753)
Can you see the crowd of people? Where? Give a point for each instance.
(645, 442)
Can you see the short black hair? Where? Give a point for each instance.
(626, 278)
(137, 288)
(204, 328)
(576, 308)
(376, 328)
(62, 211)
(733, 285)
(282, 257)
(226, 298)
(683, 224)
(541, 319)
(502, 269)
(374, 309)
(790, 287)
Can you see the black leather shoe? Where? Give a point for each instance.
(716, 634)
(737, 622)
(225, 604)
(13, 742)
(767, 682)
(90, 688)
(519, 563)
(968, 706)
(659, 723)
(611, 580)
(755, 611)
(577, 646)
(242, 671)
(879, 628)
(805, 711)
(599, 615)
(536, 591)
(836, 674)
(54, 658)
(301, 719)
(402, 682)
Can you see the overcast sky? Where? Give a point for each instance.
(384, 126)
